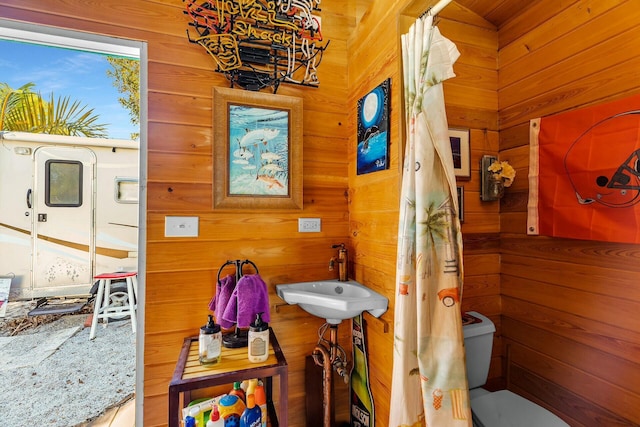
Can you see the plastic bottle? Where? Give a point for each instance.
(261, 401)
(251, 386)
(252, 416)
(258, 340)
(215, 420)
(238, 391)
(230, 407)
(210, 343)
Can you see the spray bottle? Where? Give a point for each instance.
(252, 416)
(261, 401)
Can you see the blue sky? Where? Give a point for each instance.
(79, 75)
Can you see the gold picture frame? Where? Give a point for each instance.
(257, 150)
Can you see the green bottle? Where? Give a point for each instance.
(362, 409)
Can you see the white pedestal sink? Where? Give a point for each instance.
(333, 300)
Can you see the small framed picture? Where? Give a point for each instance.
(461, 203)
(461, 150)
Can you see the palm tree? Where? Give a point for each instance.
(24, 110)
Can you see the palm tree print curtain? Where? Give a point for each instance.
(429, 383)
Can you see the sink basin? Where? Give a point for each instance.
(333, 300)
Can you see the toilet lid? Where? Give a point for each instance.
(506, 409)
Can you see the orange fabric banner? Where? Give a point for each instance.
(584, 173)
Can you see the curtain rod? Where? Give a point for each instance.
(436, 8)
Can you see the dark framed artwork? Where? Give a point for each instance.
(372, 152)
(257, 143)
(460, 203)
(459, 139)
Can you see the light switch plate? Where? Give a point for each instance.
(181, 226)
(309, 225)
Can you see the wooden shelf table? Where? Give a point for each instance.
(190, 375)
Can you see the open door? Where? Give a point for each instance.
(63, 226)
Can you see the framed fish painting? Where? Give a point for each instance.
(257, 150)
(373, 130)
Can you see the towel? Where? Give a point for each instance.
(248, 299)
(220, 301)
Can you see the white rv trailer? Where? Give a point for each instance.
(68, 211)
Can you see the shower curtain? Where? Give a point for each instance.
(429, 382)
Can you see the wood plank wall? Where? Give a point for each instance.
(569, 348)
(569, 308)
(471, 98)
(181, 272)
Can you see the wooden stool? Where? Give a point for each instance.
(103, 310)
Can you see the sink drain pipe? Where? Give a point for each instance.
(330, 359)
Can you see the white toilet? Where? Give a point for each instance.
(501, 408)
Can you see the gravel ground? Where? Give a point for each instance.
(75, 384)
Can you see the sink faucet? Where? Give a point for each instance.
(342, 262)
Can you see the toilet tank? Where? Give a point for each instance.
(478, 341)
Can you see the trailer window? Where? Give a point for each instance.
(126, 190)
(63, 183)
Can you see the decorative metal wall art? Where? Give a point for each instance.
(260, 43)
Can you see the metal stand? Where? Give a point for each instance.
(239, 338)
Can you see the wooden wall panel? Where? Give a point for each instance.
(181, 272)
(570, 333)
(537, 290)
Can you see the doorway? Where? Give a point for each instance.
(104, 45)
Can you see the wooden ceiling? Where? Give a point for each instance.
(498, 12)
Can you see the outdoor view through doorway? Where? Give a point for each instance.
(84, 86)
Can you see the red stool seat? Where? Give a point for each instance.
(120, 275)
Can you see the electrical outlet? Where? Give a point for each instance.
(309, 225)
(180, 226)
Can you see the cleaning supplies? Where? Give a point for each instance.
(197, 415)
(261, 401)
(252, 416)
(231, 409)
(251, 386)
(210, 343)
(258, 340)
(238, 391)
(215, 420)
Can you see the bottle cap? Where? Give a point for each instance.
(258, 325)
(211, 327)
(189, 422)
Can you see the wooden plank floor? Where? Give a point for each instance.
(121, 416)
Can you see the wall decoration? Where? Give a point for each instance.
(584, 173)
(257, 150)
(460, 149)
(460, 203)
(260, 43)
(373, 130)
